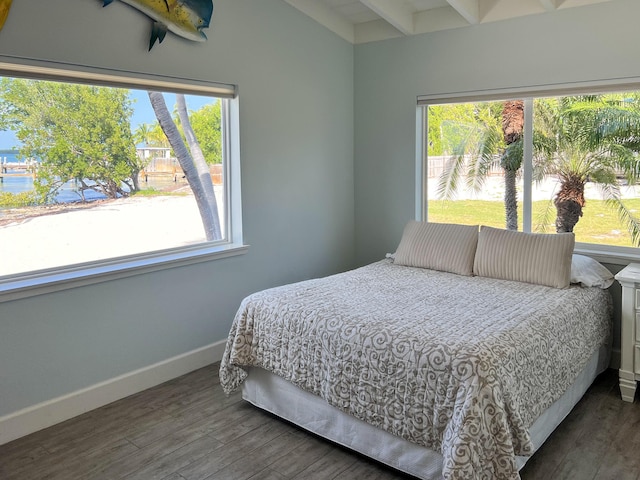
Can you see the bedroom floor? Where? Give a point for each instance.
(187, 429)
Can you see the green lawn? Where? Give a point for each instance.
(599, 223)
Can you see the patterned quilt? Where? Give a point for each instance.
(461, 365)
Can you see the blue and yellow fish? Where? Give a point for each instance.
(185, 18)
(5, 6)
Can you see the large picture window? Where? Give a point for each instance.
(548, 164)
(96, 172)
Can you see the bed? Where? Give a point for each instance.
(439, 374)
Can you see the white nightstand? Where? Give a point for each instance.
(629, 278)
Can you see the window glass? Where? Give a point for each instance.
(469, 167)
(584, 165)
(91, 173)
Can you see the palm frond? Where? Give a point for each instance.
(484, 160)
(450, 177)
(614, 201)
(627, 217)
(454, 168)
(545, 218)
(474, 154)
(603, 176)
(625, 161)
(607, 120)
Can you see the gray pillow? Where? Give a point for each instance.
(439, 246)
(543, 259)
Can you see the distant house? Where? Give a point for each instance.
(153, 152)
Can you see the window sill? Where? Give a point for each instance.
(54, 280)
(609, 254)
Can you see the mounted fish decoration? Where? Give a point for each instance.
(5, 5)
(185, 18)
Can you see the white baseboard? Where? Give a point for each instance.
(56, 410)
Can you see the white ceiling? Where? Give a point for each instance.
(361, 21)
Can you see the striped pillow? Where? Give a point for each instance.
(439, 246)
(525, 257)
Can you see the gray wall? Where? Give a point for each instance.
(295, 80)
(590, 43)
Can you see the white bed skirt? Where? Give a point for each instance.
(273, 394)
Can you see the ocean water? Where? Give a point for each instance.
(9, 156)
(68, 192)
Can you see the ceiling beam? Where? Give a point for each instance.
(394, 12)
(551, 5)
(324, 15)
(469, 9)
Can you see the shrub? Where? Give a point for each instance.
(17, 200)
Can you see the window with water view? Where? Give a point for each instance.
(92, 173)
(581, 153)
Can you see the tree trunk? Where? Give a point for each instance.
(199, 161)
(135, 181)
(510, 199)
(512, 120)
(186, 162)
(512, 128)
(569, 202)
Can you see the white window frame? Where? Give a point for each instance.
(29, 284)
(604, 253)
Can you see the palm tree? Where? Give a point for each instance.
(493, 140)
(199, 161)
(588, 139)
(511, 158)
(142, 134)
(155, 136)
(208, 213)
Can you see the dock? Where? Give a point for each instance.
(15, 169)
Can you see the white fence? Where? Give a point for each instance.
(436, 165)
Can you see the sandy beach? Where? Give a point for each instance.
(103, 229)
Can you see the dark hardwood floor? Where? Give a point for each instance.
(187, 429)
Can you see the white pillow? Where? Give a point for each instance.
(543, 259)
(438, 246)
(589, 273)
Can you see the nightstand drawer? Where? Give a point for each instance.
(637, 326)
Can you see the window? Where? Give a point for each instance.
(103, 174)
(540, 164)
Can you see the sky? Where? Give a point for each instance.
(143, 113)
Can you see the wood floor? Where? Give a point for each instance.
(187, 429)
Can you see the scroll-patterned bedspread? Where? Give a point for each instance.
(461, 365)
